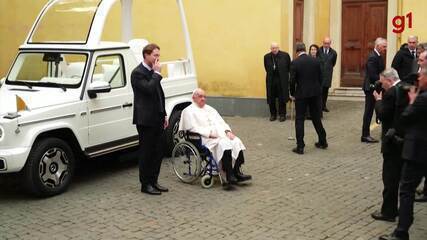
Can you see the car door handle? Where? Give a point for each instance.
(125, 105)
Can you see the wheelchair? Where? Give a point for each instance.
(191, 161)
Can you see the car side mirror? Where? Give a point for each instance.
(98, 87)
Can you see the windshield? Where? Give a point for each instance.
(51, 69)
(66, 21)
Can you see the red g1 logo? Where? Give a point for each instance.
(399, 23)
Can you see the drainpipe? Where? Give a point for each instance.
(400, 13)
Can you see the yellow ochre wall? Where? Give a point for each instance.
(419, 19)
(229, 37)
(322, 21)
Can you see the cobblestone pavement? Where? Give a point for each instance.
(324, 194)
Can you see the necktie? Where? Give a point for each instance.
(414, 54)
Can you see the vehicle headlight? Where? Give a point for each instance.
(1, 133)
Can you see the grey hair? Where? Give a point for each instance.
(300, 47)
(390, 73)
(413, 37)
(196, 92)
(380, 41)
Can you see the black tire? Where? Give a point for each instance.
(49, 168)
(171, 133)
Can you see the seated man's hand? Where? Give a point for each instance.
(213, 134)
(230, 135)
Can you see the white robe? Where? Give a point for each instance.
(205, 121)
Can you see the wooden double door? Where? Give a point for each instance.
(362, 22)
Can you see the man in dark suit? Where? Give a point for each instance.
(374, 66)
(405, 60)
(276, 64)
(422, 196)
(415, 155)
(305, 87)
(328, 58)
(149, 115)
(389, 106)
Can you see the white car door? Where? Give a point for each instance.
(110, 113)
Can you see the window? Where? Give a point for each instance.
(50, 69)
(109, 69)
(66, 21)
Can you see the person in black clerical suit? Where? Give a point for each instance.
(388, 107)
(328, 58)
(405, 60)
(414, 153)
(149, 116)
(276, 64)
(305, 88)
(374, 66)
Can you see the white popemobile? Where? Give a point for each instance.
(65, 100)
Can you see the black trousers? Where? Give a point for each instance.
(314, 105)
(412, 173)
(227, 162)
(275, 95)
(392, 169)
(150, 153)
(367, 115)
(325, 91)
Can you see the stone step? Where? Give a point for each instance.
(348, 93)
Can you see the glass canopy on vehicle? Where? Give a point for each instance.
(65, 21)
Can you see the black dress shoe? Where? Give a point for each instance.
(160, 188)
(149, 189)
(392, 237)
(321, 145)
(298, 150)
(377, 215)
(368, 139)
(273, 118)
(421, 198)
(231, 179)
(242, 177)
(325, 110)
(282, 118)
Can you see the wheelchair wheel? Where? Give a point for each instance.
(186, 162)
(207, 181)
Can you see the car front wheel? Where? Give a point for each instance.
(49, 168)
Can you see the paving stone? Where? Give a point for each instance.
(322, 195)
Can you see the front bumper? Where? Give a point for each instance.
(13, 159)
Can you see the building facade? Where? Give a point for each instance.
(230, 37)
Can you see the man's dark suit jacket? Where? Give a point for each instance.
(306, 77)
(414, 118)
(388, 110)
(374, 66)
(404, 63)
(149, 99)
(328, 62)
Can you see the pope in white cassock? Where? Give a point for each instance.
(216, 136)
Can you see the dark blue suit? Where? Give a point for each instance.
(149, 114)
